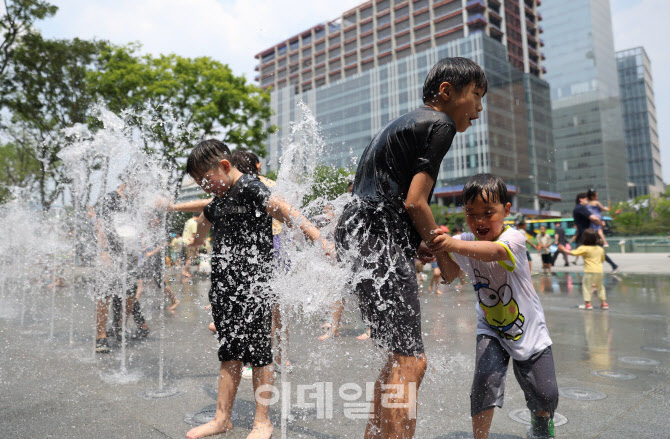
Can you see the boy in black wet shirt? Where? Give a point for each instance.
(382, 229)
(241, 215)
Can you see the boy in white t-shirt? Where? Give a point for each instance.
(510, 317)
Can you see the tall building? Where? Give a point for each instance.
(588, 125)
(367, 67)
(379, 32)
(639, 116)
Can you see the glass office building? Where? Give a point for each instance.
(639, 115)
(512, 138)
(588, 125)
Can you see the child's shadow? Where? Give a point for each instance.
(466, 435)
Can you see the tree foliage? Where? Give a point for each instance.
(444, 216)
(173, 101)
(177, 101)
(329, 183)
(645, 215)
(47, 90)
(18, 167)
(18, 22)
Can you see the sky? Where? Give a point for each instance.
(233, 31)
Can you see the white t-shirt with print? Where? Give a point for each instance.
(508, 307)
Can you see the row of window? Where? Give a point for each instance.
(384, 20)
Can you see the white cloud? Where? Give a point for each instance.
(231, 31)
(644, 23)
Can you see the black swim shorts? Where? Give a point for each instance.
(381, 260)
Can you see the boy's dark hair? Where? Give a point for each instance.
(457, 71)
(591, 194)
(589, 237)
(246, 161)
(579, 197)
(206, 156)
(489, 184)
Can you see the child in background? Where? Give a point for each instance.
(510, 319)
(543, 243)
(242, 260)
(594, 256)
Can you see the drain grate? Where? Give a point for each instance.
(205, 415)
(581, 393)
(160, 394)
(656, 349)
(522, 416)
(639, 361)
(613, 374)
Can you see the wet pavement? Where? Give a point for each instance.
(613, 366)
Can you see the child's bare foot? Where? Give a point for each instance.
(175, 304)
(364, 336)
(330, 333)
(212, 327)
(186, 274)
(261, 431)
(209, 429)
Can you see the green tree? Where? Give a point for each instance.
(645, 215)
(46, 90)
(17, 22)
(177, 101)
(329, 183)
(443, 216)
(18, 167)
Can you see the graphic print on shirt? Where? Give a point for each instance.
(500, 308)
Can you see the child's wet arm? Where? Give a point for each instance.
(203, 229)
(417, 206)
(289, 215)
(485, 251)
(448, 268)
(196, 206)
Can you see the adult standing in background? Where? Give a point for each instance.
(583, 219)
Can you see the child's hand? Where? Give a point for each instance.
(424, 254)
(162, 203)
(441, 243)
(328, 247)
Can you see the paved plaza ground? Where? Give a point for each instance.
(613, 366)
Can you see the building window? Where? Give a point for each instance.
(383, 5)
(367, 27)
(402, 26)
(381, 21)
(384, 33)
(402, 12)
(334, 53)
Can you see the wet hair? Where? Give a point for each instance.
(591, 194)
(350, 186)
(246, 161)
(206, 156)
(489, 187)
(579, 197)
(589, 237)
(457, 71)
